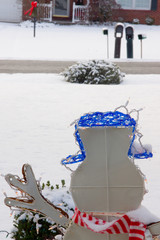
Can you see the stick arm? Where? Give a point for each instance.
(35, 201)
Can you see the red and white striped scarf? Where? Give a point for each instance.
(135, 229)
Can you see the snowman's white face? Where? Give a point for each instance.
(107, 180)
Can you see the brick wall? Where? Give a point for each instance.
(129, 15)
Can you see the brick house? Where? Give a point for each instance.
(130, 10)
(139, 9)
(73, 10)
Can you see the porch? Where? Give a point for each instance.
(60, 11)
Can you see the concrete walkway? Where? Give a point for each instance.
(27, 66)
(140, 67)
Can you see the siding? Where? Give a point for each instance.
(10, 10)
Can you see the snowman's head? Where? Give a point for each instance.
(115, 119)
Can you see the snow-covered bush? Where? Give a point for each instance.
(135, 21)
(31, 226)
(120, 19)
(149, 20)
(102, 11)
(94, 72)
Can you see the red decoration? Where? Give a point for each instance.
(34, 5)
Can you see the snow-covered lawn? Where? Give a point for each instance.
(54, 42)
(36, 112)
(36, 109)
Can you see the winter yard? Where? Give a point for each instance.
(54, 42)
(37, 109)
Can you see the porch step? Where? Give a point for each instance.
(59, 22)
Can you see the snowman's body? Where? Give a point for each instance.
(107, 181)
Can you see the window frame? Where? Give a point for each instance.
(135, 8)
(62, 15)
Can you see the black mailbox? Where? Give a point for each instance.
(142, 36)
(105, 31)
(119, 30)
(129, 38)
(118, 36)
(129, 33)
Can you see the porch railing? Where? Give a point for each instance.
(79, 12)
(45, 11)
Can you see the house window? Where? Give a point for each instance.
(135, 4)
(143, 4)
(125, 3)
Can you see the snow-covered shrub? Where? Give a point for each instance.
(32, 226)
(102, 11)
(25, 228)
(149, 20)
(94, 72)
(120, 19)
(135, 21)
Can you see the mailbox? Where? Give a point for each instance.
(129, 38)
(142, 36)
(119, 30)
(105, 31)
(129, 33)
(118, 36)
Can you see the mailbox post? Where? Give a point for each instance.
(105, 32)
(34, 15)
(129, 38)
(118, 36)
(141, 37)
(33, 12)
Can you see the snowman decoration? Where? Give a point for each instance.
(107, 187)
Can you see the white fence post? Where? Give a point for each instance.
(78, 11)
(73, 13)
(51, 9)
(46, 10)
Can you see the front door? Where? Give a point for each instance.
(61, 8)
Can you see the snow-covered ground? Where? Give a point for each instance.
(54, 42)
(36, 112)
(36, 109)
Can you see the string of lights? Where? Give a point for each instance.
(105, 119)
